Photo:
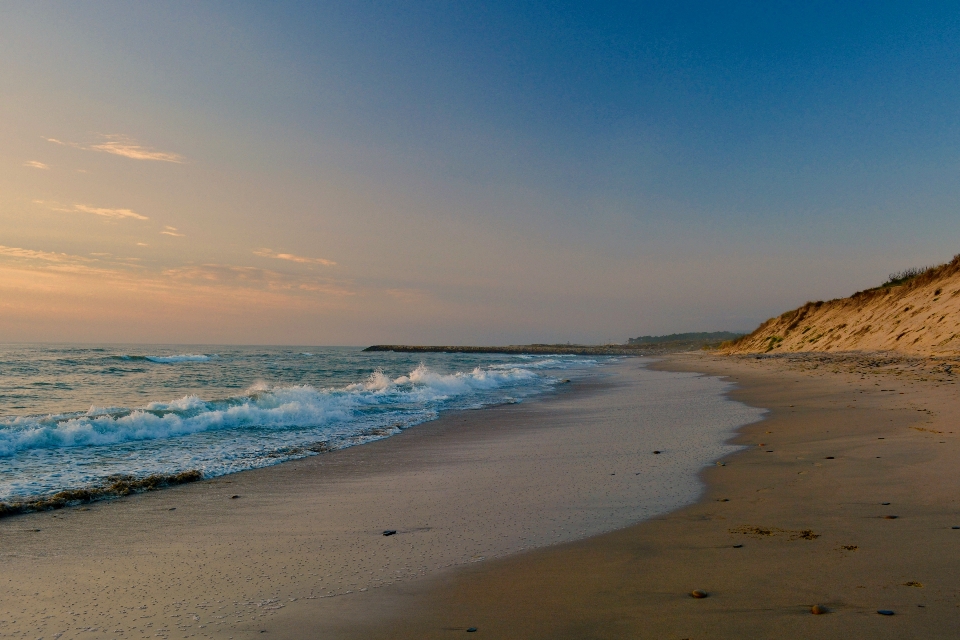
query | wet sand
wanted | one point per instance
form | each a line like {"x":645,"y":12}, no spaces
{"x":806,"y":502}
{"x":297,"y":550}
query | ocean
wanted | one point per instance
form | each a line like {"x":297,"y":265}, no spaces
{"x":78,"y":416}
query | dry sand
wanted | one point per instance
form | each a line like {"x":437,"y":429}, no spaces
{"x":805,"y":501}
{"x":300,"y":550}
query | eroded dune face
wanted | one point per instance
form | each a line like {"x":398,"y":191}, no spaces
{"x":919,"y":317}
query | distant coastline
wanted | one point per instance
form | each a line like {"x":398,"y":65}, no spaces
{"x":522,"y":349}
{"x":645,"y":345}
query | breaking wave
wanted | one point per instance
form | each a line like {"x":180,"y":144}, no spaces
{"x":260,"y":407}
{"x":184,"y":357}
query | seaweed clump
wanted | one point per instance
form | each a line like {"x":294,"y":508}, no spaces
{"x":114,"y":487}
{"x":749,"y":530}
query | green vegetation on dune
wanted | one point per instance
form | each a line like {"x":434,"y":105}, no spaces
{"x":902,"y":277}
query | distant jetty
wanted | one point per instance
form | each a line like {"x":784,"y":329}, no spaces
{"x":630,"y":349}
{"x":522,"y":349}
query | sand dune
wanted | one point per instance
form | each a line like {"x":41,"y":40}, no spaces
{"x":919,"y":317}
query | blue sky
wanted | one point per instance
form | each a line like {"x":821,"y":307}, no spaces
{"x":348,"y":173}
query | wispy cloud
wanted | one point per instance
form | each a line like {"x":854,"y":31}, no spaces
{"x":32,"y":254}
{"x":254,"y":277}
{"x":99,"y":211}
{"x":109,"y":213}
{"x":267,"y":253}
{"x":60,"y":142}
{"x":37,"y":286}
{"x":125,"y":146}
{"x":36,"y":164}
{"x":171,"y":231}
{"x":122,"y":145}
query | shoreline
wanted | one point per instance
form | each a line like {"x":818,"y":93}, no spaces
{"x":257,"y":549}
{"x":802,"y":519}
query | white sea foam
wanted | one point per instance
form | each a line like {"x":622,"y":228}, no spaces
{"x":261,"y":407}
{"x":186,"y":357}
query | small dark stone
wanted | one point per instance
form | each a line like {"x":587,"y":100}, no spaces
{"x":699,"y":593}
{"x":234,"y":498}
{"x":890,"y":517}
{"x":172,"y":509}
{"x":390,"y":532}
{"x":738,"y":546}
{"x":885,"y":612}
{"x":884,"y":503}
{"x":955,"y":527}
{"x":829,"y":458}
{"x":471,"y":630}
{"x":656,"y":453}
{"x":723,"y":499}
{"x":819,"y":610}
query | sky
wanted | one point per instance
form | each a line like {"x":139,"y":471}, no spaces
{"x":352,"y":173}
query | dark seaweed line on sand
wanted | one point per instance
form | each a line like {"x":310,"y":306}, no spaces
{"x":118,"y":486}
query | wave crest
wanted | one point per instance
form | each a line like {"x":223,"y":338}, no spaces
{"x":261,"y":407}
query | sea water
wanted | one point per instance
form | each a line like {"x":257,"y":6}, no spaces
{"x":73,"y":416}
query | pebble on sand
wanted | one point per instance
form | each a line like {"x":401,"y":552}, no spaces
{"x":656,"y":452}
{"x":819,"y":610}
{"x":699,"y":593}
{"x":885,"y":612}
{"x":738,"y":546}
{"x":890,"y":517}
{"x":234,"y":497}
{"x":471,"y":630}
{"x":955,"y":527}
{"x":390,"y":532}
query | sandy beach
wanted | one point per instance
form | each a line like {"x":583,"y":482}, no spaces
{"x":499,"y":516}
{"x":847,"y":445}
{"x":300,"y":545}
